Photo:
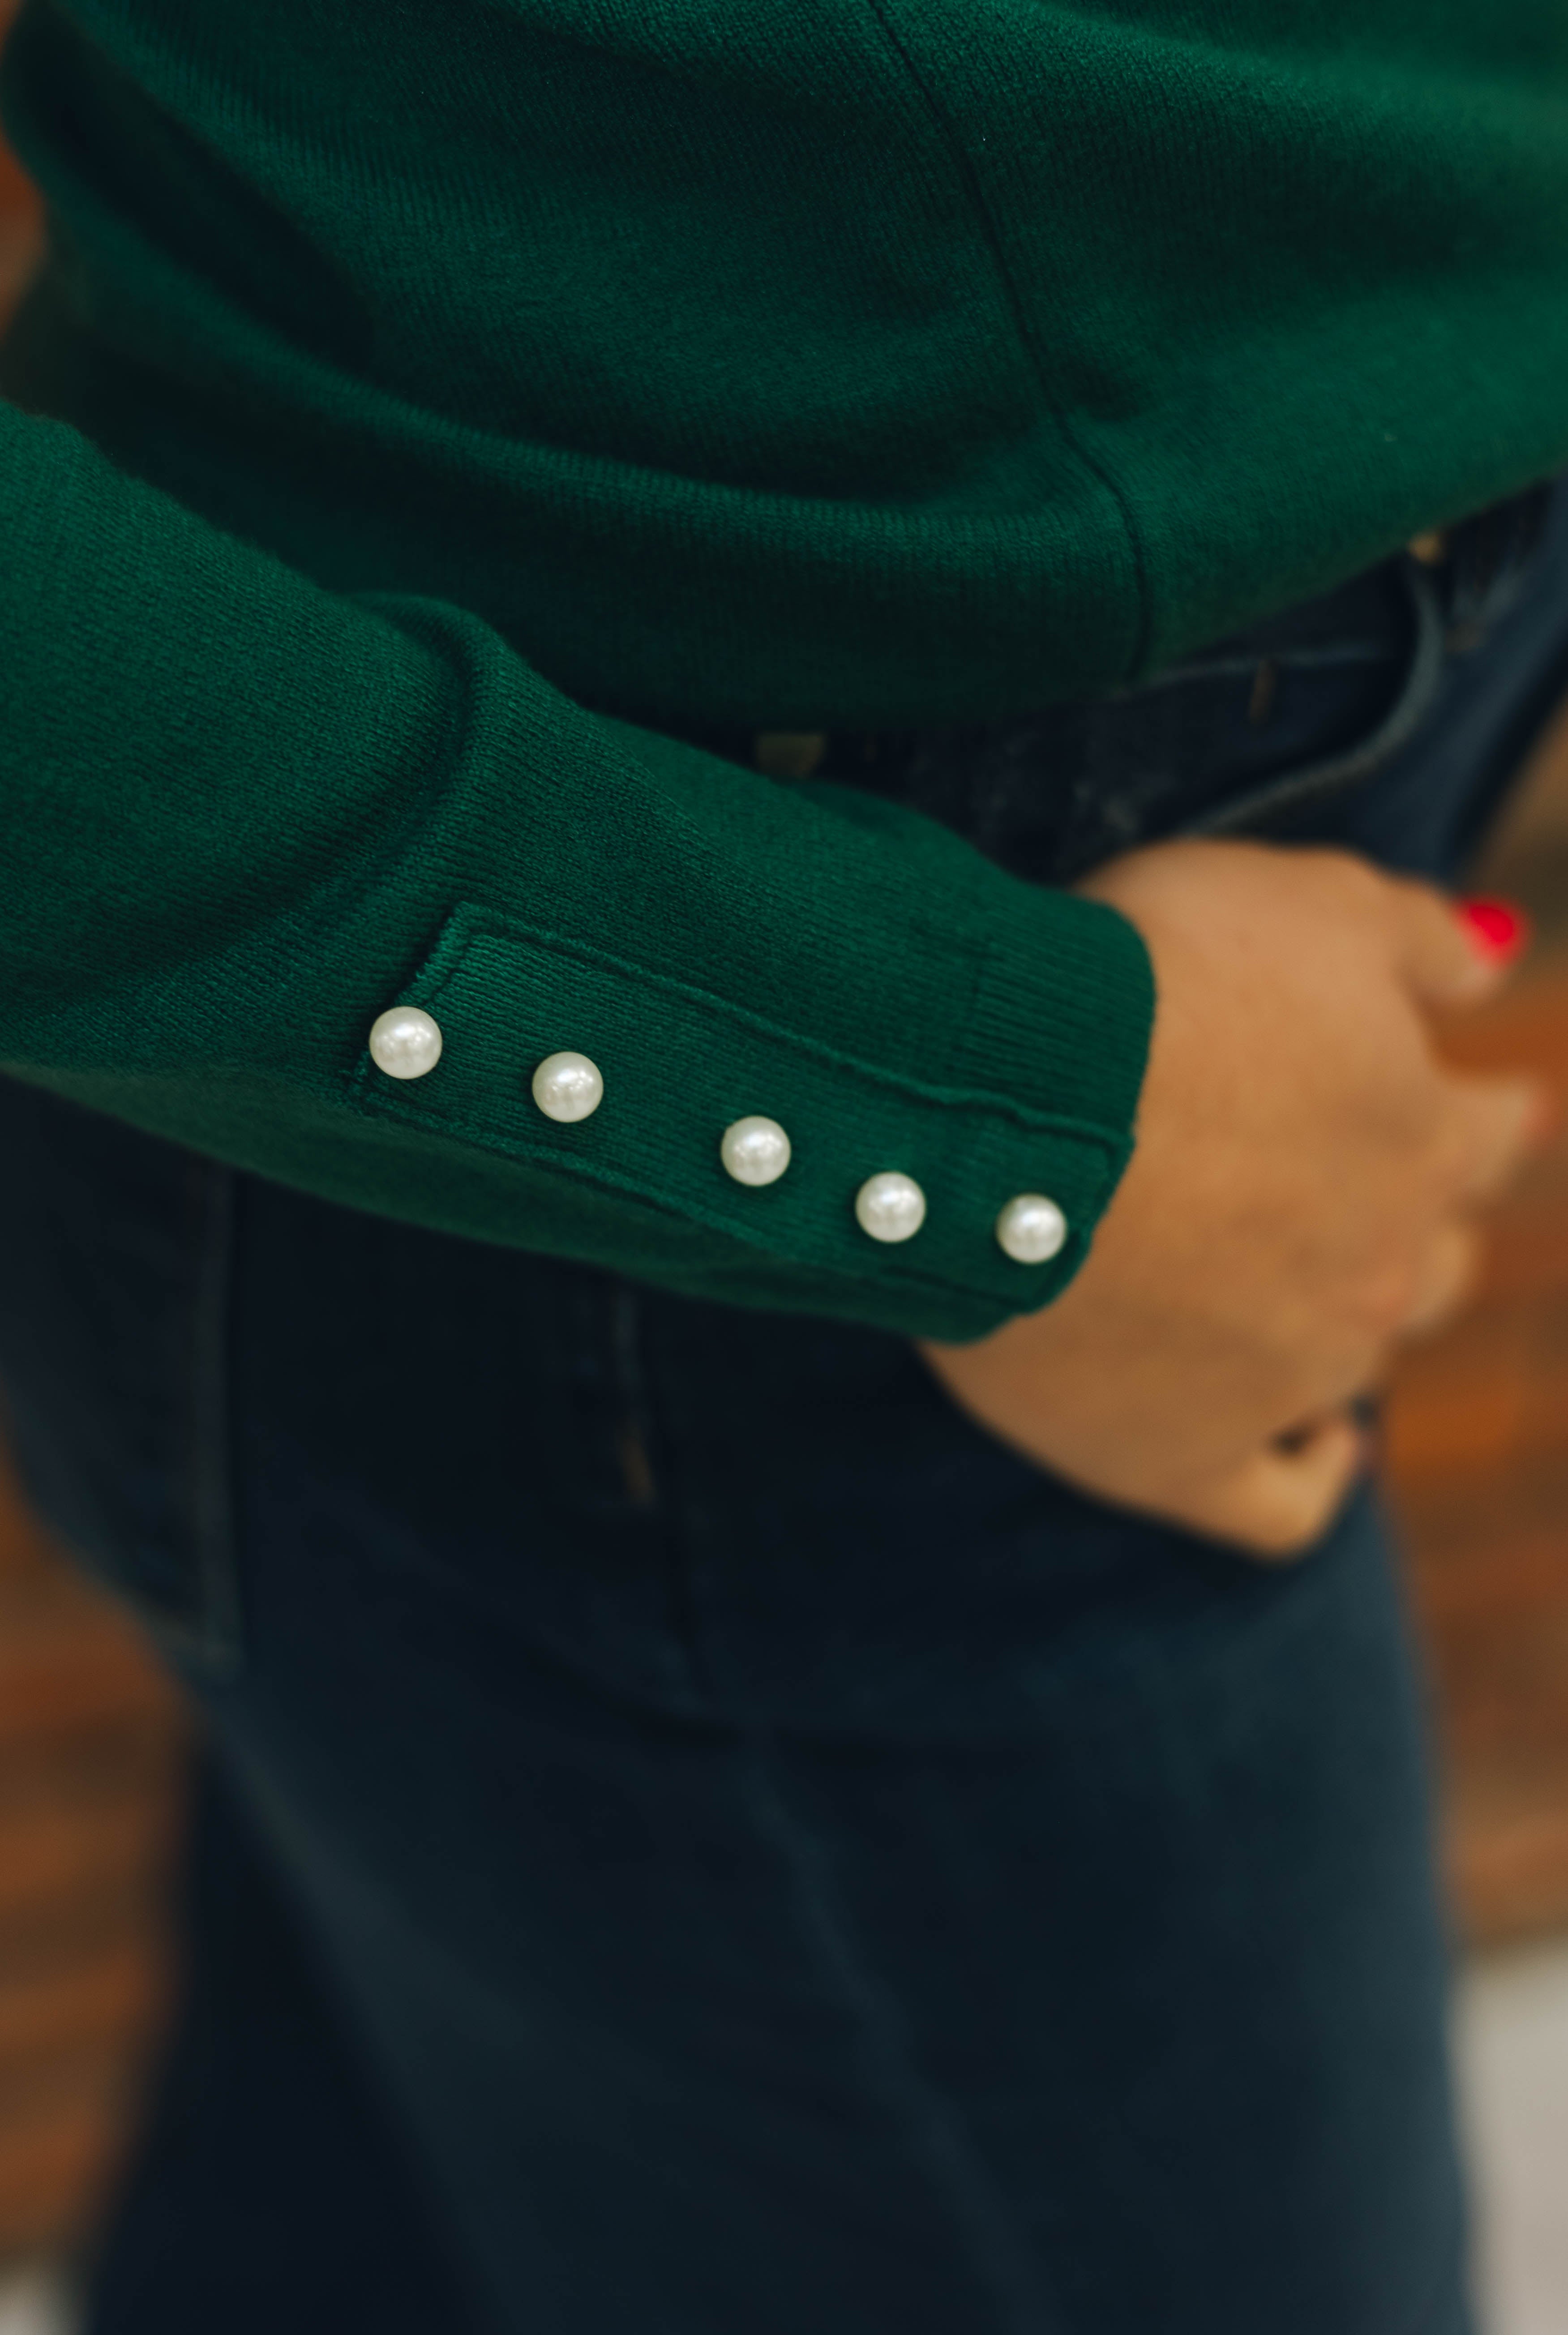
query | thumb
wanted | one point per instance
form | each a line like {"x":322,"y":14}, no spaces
{"x":1282,"y":1498}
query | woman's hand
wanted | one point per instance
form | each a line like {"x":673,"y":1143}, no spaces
{"x":1301,"y":1197}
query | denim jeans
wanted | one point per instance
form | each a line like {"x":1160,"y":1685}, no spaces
{"x":696,"y":1838}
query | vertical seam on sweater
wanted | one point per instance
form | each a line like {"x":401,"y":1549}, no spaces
{"x":947,"y":130}
{"x":1004,"y":2263}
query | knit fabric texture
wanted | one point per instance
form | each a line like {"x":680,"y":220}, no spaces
{"x":425,"y":402}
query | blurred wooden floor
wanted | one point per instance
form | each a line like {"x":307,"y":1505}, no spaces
{"x":91,"y":1744}
{"x":1477,"y":1452}
{"x":19,"y":213}
{"x":91,"y":1740}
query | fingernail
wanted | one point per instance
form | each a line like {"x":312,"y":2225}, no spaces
{"x":1499,"y":929}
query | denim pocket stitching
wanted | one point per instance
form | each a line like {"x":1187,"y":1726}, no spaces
{"x":211,"y":1635}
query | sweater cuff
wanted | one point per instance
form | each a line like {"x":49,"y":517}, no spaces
{"x":1037,"y":1071}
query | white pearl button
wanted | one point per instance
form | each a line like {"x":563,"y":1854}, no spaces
{"x":1030,"y":1228}
{"x":890,"y":1206}
{"x":755,"y":1151}
{"x":404,"y":1042}
{"x":568,"y":1087}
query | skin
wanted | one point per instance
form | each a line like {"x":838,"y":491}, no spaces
{"x":1302,"y":1198}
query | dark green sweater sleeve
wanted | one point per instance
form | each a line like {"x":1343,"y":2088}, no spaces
{"x":244,"y":815}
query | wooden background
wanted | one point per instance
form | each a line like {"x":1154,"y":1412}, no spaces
{"x":90,"y":1735}
{"x":90,"y":1766}
{"x":18,"y":208}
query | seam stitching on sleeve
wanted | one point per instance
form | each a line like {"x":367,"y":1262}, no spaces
{"x":947,"y":130}
{"x":467,"y":925}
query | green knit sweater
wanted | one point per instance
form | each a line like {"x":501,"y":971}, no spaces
{"x":427,"y":400}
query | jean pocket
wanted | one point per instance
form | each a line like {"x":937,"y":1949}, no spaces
{"x":114,"y":1301}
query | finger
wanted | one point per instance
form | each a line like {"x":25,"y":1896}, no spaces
{"x":1448,"y":1276}
{"x":1283,"y":1499}
{"x":1493,"y":1125}
{"x":1444,"y":956}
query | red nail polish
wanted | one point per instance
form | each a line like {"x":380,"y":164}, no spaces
{"x":1496,"y":926}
